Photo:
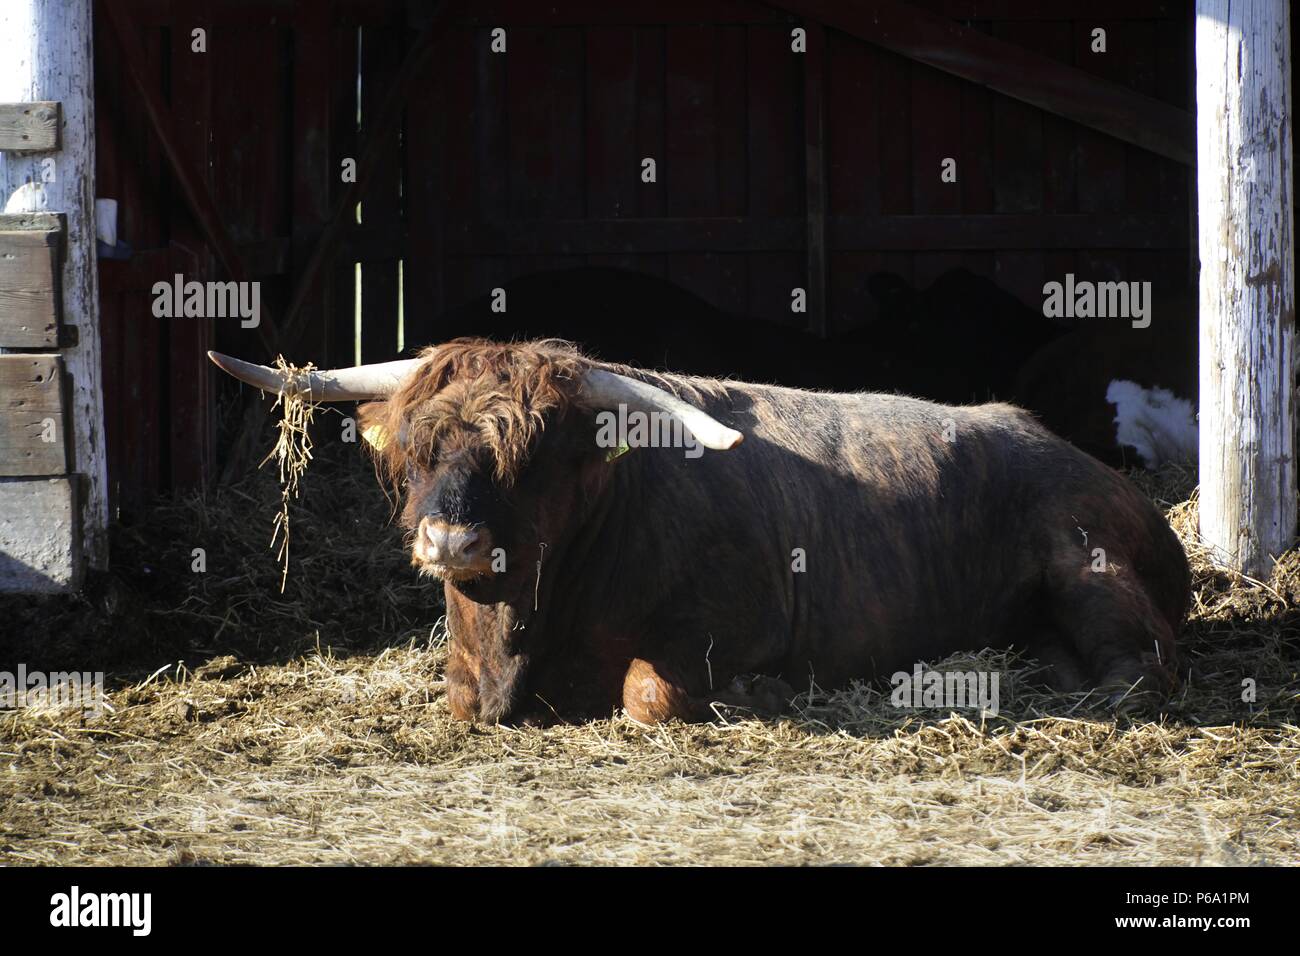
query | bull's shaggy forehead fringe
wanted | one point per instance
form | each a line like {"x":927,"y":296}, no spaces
{"x":502,"y":394}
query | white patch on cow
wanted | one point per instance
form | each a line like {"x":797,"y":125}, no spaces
{"x":1159,"y":424}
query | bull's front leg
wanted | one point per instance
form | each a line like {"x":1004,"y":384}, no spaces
{"x":486,"y":671}
{"x":656,"y":691}
{"x":462,"y":681}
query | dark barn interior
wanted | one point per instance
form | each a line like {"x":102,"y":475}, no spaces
{"x":775,"y":171}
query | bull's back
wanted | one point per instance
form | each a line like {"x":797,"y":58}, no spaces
{"x":911,"y":529}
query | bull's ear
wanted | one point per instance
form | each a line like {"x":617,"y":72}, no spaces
{"x":376,"y":436}
{"x":371,"y":417}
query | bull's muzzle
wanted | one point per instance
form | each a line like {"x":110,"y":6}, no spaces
{"x":452,"y":550}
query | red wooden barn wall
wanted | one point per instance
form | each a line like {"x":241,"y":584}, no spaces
{"x":264,"y":117}
{"x":556,"y":130}
{"x":529,"y":161}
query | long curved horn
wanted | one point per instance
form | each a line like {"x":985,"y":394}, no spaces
{"x":325,"y":385}
{"x":609,"y":389}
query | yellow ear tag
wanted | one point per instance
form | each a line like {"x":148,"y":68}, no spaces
{"x":376,"y":436}
{"x":618,"y":452}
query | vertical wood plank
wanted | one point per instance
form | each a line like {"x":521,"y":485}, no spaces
{"x":189,"y":392}
{"x":611,"y":160}
{"x":1060,"y":175}
{"x":1019,"y":180}
{"x":314,"y":170}
{"x":344,"y":144}
{"x":142,"y":359}
{"x":853,"y":105}
{"x":976,"y":167}
{"x":897,"y":167}
{"x":691,"y":154}
{"x":894,"y":81}
{"x":936,"y":135}
{"x":46,"y":47}
{"x":815,"y":176}
{"x":730,"y":81}
{"x":775,"y":150}
{"x":459,"y":185}
{"x":545,"y":123}
{"x":1173,"y":69}
{"x":422,"y":275}
{"x":1247,"y":379}
{"x":690,"y":164}
{"x":1142,"y":173}
{"x":381,"y":55}
{"x":775,"y":124}
{"x":1061,"y":184}
{"x":651,"y":103}
{"x":1101,"y":159}
{"x":494,"y":76}
{"x":491,"y":129}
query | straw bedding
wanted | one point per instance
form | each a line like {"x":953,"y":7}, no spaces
{"x":244,"y":725}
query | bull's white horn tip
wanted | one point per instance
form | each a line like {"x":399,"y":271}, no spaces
{"x":259,"y":376}
{"x":718,"y":438}
{"x":220,"y":361}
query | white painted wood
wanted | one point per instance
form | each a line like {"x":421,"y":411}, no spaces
{"x":46,"y":54}
{"x":1247,"y":294}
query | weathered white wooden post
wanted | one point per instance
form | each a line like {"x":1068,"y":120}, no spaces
{"x":1247,"y":296}
{"x":46,"y":55}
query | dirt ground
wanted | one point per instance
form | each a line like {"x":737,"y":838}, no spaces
{"x":243,"y":725}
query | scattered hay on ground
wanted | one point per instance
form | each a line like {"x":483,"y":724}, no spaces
{"x":311,"y":728}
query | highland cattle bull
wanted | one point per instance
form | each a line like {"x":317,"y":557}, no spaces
{"x":847,"y":536}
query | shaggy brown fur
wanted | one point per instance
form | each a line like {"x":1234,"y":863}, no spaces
{"x":503,"y":394}
{"x":849,"y":536}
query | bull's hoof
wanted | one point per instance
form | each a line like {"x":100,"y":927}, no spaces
{"x":531,"y":719}
{"x":1133,"y":701}
{"x":765,"y":696}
